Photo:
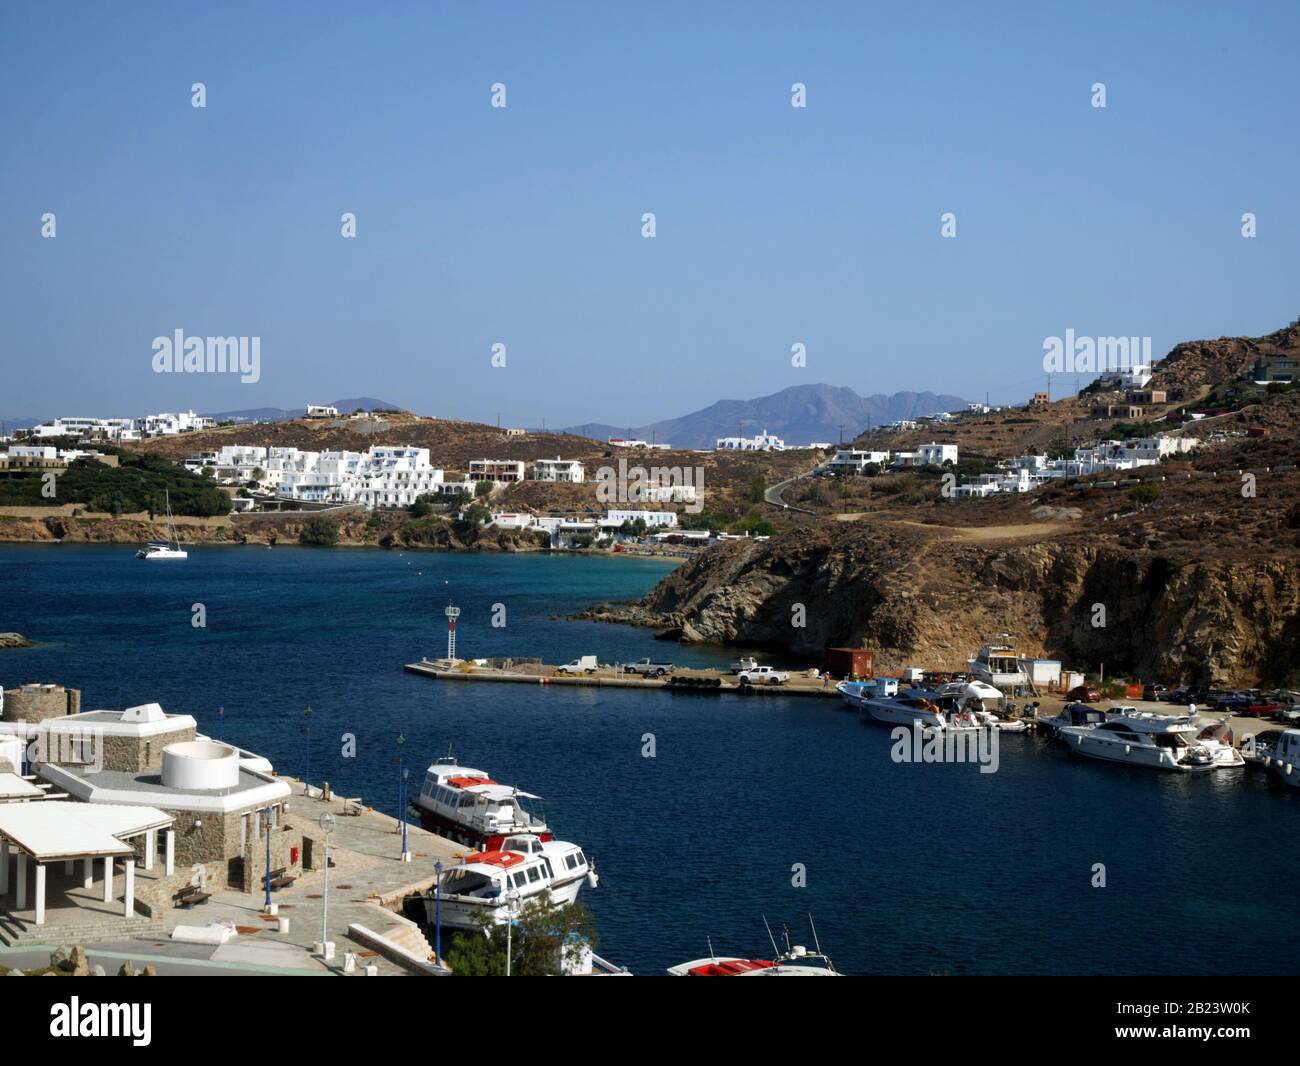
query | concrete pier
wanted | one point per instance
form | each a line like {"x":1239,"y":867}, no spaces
{"x":689,"y":681}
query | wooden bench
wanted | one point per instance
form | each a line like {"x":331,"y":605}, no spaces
{"x":281,"y":878}
{"x":190,"y":896}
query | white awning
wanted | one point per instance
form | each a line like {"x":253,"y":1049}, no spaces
{"x":60,"y":829}
{"x":13,"y":787}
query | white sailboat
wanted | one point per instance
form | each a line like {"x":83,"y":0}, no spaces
{"x":165,"y":549}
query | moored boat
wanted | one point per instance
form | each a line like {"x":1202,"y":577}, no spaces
{"x":165,"y":549}
{"x":468,"y":806}
{"x":1159,"y":741}
{"x":493,"y":886}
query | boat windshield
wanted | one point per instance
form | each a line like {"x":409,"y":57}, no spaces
{"x":470,"y":883}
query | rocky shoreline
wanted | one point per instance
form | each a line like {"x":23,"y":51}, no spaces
{"x":15,"y":640}
{"x":928,"y":597}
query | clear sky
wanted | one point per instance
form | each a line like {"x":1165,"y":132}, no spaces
{"x":522,"y":225}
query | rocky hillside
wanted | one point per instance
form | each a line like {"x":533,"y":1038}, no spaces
{"x":1200,"y":584}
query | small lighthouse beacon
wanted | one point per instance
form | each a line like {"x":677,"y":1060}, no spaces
{"x":452,"y":612}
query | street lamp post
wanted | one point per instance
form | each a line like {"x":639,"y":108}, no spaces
{"x":405,"y":790}
{"x":306,"y":769}
{"x":267,"y":828}
{"x":512,"y":901}
{"x":437,"y":912}
{"x":327,"y":826}
{"x":401,"y":791}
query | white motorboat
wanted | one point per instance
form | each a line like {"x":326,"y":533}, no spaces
{"x":856,"y":693}
{"x":998,"y":665}
{"x":165,"y":549}
{"x":1159,"y":741}
{"x":493,"y":886}
{"x":1285,"y":758}
{"x":925,"y":709}
{"x":985,"y":702}
{"x":469,"y":807}
{"x":795,"y":961}
{"x":1075,"y":715}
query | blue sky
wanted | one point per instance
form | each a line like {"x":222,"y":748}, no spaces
{"x":522,"y":225}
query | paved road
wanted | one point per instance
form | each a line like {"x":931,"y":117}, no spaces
{"x":773,"y":495}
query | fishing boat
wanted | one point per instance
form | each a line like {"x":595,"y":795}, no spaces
{"x":795,"y":961}
{"x":165,"y":549}
{"x":471,"y":808}
{"x":493,"y":886}
{"x":1179,"y":742}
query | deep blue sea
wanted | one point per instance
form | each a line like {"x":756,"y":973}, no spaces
{"x":910,"y":869}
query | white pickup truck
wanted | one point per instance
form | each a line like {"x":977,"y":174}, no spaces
{"x":763,"y":675}
{"x":584,"y":664}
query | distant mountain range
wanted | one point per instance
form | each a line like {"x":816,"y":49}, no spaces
{"x":801,"y":414}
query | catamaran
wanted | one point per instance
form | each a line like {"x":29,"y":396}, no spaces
{"x":165,"y":549}
{"x":1161,"y":741}
{"x":492,"y":886}
{"x":469,"y":807}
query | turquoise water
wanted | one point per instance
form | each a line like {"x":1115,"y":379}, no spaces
{"x":909,"y":868}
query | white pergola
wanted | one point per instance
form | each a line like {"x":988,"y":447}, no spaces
{"x":60,"y":830}
{"x":15,"y":789}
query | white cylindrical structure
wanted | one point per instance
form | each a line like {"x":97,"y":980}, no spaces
{"x":200,"y":764}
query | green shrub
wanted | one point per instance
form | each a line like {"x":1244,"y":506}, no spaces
{"x":319,"y":531}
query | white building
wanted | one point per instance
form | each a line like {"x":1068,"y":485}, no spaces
{"x":315,"y":410}
{"x":764,"y":442}
{"x":565,"y":470}
{"x":855,"y":461}
{"x":928,"y":455}
{"x":653,"y":519}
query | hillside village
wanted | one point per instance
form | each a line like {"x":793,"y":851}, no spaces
{"x":1200,"y":405}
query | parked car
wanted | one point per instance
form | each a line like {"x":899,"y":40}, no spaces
{"x":648,"y":668}
{"x":584,"y":664}
{"x":1154,"y":693}
{"x":763,"y":675}
{"x":1083,"y":694}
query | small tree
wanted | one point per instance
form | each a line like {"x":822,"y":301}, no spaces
{"x":320,"y":531}
{"x":483,"y":488}
{"x":1145,"y":494}
{"x":755,"y":490}
{"x":544,"y":936}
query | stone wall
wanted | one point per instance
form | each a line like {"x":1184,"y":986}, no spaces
{"x":135,"y":755}
{"x":35,"y":703}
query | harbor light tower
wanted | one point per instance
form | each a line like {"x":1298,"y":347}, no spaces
{"x":452,"y":612}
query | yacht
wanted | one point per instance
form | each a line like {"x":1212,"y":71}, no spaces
{"x":1285,"y":758}
{"x":469,"y":807}
{"x":998,"y":665}
{"x":165,"y":549}
{"x":1075,"y":715}
{"x":492,"y":886}
{"x":1160,"y":741}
